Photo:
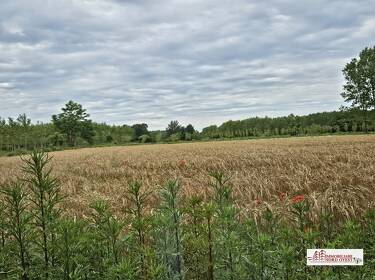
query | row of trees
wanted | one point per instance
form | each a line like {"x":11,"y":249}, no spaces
{"x":174,"y":132}
{"x":181,"y":238}
{"x":72,"y":127}
{"x":313,"y":124}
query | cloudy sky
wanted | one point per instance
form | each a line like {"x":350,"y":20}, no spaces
{"x":198,"y":61}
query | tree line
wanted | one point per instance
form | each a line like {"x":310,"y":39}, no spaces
{"x":69,"y":129}
{"x":313,"y":124}
{"x":73,"y":128}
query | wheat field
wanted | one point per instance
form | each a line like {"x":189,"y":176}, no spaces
{"x":334,"y":172}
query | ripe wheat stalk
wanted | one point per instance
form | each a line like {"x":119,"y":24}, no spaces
{"x":335,"y":173}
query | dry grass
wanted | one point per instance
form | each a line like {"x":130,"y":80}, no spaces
{"x":334,"y":172}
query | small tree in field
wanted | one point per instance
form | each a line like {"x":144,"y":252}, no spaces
{"x":45,"y":197}
{"x":359,"y":89}
{"x":74,"y":122}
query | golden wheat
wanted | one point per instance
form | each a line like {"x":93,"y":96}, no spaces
{"x":335,"y":173}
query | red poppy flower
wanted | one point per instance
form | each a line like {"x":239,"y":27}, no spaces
{"x":181,"y":163}
{"x":298,"y":198}
{"x":258,"y":201}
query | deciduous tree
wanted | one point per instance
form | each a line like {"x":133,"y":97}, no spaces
{"x":74,"y":122}
{"x":359,"y":89}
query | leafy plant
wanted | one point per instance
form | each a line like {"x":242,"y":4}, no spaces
{"x":44,"y":197}
{"x":140,"y":224}
{"x":108,"y":228}
{"x":18,"y":226}
{"x":170,"y":218}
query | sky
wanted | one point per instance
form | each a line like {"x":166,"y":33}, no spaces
{"x":197,"y":61}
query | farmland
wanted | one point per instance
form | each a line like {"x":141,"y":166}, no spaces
{"x":336,"y":172}
{"x":209,"y":210}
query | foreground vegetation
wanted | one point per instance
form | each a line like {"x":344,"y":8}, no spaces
{"x":176,"y":237}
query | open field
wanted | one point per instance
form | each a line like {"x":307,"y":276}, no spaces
{"x":336,"y":172}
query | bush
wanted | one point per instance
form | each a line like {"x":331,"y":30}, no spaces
{"x":175,"y":137}
{"x":144,"y":138}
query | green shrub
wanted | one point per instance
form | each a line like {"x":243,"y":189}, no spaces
{"x":170,"y":229}
{"x":18,"y":226}
{"x":145,"y":138}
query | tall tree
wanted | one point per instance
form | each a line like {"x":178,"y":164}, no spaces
{"x":74,"y":122}
{"x":139,"y":129}
{"x":359,"y":89}
{"x":173,"y":127}
{"x":23,"y":120}
{"x":189,"y":129}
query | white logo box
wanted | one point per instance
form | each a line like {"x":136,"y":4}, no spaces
{"x":332,"y":257}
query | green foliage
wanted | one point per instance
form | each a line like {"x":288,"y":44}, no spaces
{"x":319,"y":123}
{"x":359,"y":89}
{"x":173,"y":128}
{"x":16,"y":223}
{"x":228,"y":243}
{"x":175,"y":137}
{"x":170,"y":220}
{"x":70,"y":250}
{"x":56,"y":139}
{"x":126,"y":270}
{"x":195,"y":241}
{"x":44,"y":197}
{"x":74,"y":122}
{"x":139,"y":129}
{"x":114,"y":134}
{"x":140,"y":229}
{"x":145,"y":138}
{"x":108,"y":228}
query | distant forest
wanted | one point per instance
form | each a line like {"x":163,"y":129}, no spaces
{"x":67,"y":130}
{"x":312,"y":124}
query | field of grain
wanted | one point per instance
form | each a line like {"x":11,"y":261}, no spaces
{"x":333,"y":172}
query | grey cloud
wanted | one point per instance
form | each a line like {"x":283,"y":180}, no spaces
{"x":197,"y":61}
